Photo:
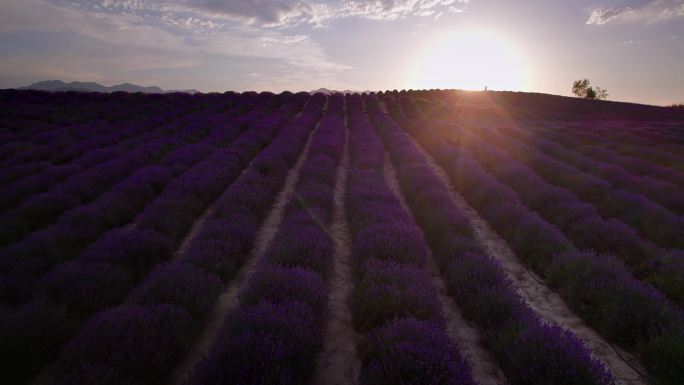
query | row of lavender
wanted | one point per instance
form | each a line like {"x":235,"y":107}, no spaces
{"x":638,"y":138}
{"x":605,"y":165}
{"x":163,"y":200}
{"x":38,"y":198}
{"x":650,"y":129}
{"x":582,"y":221}
{"x":30,"y":131}
{"x":38,"y":146}
{"x":27,"y":113}
{"x":657,"y":203}
{"x":274,"y":333}
{"x":141,"y":340}
{"x":32,"y":209}
{"x":651,"y":219}
{"x":616,"y":138}
{"x":394,"y":304}
{"x":120,"y":248}
{"x":61,"y":151}
{"x":599,"y":148}
{"x":79,"y":226}
{"x":478,"y":283}
{"x":598,"y":287}
{"x":94,"y":149}
{"x":99,"y":146}
{"x":31,"y":111}
{"x":579,"y":218}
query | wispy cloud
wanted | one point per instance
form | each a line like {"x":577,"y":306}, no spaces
{"x":139,"y":39}
{"x":292,"y":39}
{"x":287,"y":13}
{"x":124,"y":39}
{"x":649,"y":12}
{"x":397,"y":9}
{"x":603,"y":16}
{"x":630,"y":42}
{"x":272,"y":13}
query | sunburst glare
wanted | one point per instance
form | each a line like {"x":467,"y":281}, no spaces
{"x":470,"y":60}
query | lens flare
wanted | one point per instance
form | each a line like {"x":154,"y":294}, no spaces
{"x":470,"y":60}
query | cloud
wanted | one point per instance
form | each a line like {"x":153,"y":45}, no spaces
{"x":275,"y":13}
{"x":397,"y":9}
{"x":63,"y":66}
{"x":190,"y":23}
{"x":260,"y":12}
{"x":630,"y":42}
{"x":169,"y":32}
{"x":117,"y":41}
{"x":604,"y":16}
{"x":120,"y":40}
{"x":291,"y":39}
{"x":650,"y":12}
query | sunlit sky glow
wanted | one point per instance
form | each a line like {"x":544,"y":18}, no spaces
{"x":470,"y":59}
{"x":634,"y":48}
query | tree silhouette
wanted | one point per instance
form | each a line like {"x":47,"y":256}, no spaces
{"x":582,"y":89}
{"x":601,"y":93}
{"x":590,"y":93}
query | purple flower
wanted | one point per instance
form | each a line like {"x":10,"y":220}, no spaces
{"x":543,"y":354}
{"x":86,"y":288}
{"x":301,"y":245}
{"x":263,"y":343}
{"x":31,"y":336}
{"x":401,"y":243}
{"x":136,"y":250}
{"x":139,"y":343}
{"x":275,"y":284}
{"x":389,"y":290}
{"x":408,"y":351}
{"x":181,"y":285}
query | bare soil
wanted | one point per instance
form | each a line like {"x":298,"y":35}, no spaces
{"x":229,"y":299}
{"x":199,"y":222}
{"x":338,"y":363}
{"x":196,"y":226}
{"x":541,"y":299}
{"x":485,"y":367}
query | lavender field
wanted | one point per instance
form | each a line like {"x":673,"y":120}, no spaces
{"x":413,"y":237}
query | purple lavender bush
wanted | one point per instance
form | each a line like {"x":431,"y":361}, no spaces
{"x":121,"y":347}
{"x":408,"y":351}
{"x":263,"y":343}
{"x":181,"y":285}
{"x":390,"y":290}
{"x":30,"y":337}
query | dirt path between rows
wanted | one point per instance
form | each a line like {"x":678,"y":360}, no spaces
{"x":338,"y":362}
{"x":228,"y":300}
{"x":197,"y":225}
{"x":43,"y":377}
{"x":486,"y":371}
{"x":541,"y":299}
{"x":199,"y":222}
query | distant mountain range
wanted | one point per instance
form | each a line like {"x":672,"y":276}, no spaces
{"x":328,"y":92}
{"x":58,"y":85}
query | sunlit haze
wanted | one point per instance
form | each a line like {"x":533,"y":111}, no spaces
{"x":633,"y":48}
{"x":332,"y":192}
{"x":470,"y":59}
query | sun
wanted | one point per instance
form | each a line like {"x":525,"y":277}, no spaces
{"x":470,"y":60}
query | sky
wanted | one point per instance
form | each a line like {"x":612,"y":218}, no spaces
{"x":632,"y":48}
